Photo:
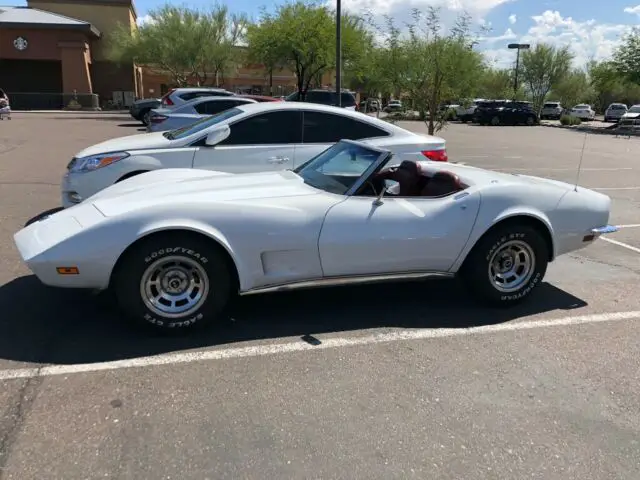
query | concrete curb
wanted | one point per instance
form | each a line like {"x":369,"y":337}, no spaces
{"x":597,"y":131}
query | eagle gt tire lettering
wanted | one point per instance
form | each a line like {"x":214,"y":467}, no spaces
{"x":173,"y":282}
{"x":516,"y":254}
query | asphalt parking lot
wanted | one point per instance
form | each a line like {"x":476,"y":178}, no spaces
{"x":408,"y":381}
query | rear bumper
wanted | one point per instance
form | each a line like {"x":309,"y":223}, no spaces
{"x":604,"y":230}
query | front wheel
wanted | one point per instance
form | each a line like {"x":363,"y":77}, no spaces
{"x":495,"y":121}
{"x":173,"y":282}
{"x":506,"y":265}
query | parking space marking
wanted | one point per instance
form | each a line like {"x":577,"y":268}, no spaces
{"x":620,"y":244}
{"x":616,"y":188}
{"x":633,"y":225}
{"x":301,"y":346}
{"x":575,"y":169}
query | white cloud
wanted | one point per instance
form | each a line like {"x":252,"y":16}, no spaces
{"x":143,"y":20}
{"x":587,"y":39}
{"x":513,"y":19}
{"x":633,"y":10}
{"x":507,"y":35}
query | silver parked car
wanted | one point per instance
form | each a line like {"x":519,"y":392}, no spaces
{"x":614,"y":112}
{"x":182,"y":95}
{"x":162,"y":119}
{"x":551,"y":110}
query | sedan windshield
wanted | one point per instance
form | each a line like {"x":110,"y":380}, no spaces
{"x":200,"y":125}
{"x":339,"y":167}
{"x":634,"y":109}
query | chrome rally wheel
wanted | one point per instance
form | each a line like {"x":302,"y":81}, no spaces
{"x":507,"y":263}
{"x":174,"y":281}
{"x":174,"y":286}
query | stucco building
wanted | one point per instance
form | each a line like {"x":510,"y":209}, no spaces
{"x":54,"y":51}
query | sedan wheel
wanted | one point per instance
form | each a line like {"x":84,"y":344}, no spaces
{"x":530,"y":121}
{"x":495,"y":121}
{"x":506,"y":265}
{"x":146,"y":118}
{"x":173,"y":282}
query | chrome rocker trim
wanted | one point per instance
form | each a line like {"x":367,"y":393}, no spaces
{"x":351,"y":280}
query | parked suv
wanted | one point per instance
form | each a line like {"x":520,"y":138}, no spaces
{"x":551,"y":110}
{"x":326,"y":97}
{"x":504,"y":112}
{"x":614,"y":112}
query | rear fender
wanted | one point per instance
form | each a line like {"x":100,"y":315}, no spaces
{"x":481,"y":227}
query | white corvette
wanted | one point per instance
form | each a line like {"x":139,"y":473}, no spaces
{"x":258,"y":137}
{"x":174,"y":245}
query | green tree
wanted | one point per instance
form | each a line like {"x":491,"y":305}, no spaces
{"x":544,"y":67}
{"x":495,"y":83}
{"x":626,"y":58}
{"x":432,"y":67}
{"x":302,"y":36}
{"x":608,"y":85}
{"x":573,"y":89}
{"x":183,"y":42}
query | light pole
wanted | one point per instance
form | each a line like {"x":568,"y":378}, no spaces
{"x":518,"y":47}
{"x":339,"y":51}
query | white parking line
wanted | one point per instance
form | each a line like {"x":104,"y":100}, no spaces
{"x":299,"y":346}
{"x":616,"y":188}
{"x":620,"y":244}
{"x":633,"y":225}
{"x":566,"y":169}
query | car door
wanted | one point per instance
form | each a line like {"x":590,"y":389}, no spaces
{"x":320,"y":130}
{"x":410,"y":234}
{"x":259,"y":143}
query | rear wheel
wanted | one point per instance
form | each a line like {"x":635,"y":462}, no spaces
{"x":144,"y":115}
{"x":173,"y":282}
{"x":506,"y":265}
{"x":495,"y":121}
{"x":531,"y":121}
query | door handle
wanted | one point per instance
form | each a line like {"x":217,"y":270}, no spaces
{"x":278,"y":159}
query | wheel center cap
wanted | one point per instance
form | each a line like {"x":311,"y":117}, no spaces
{"x":175,"y":282}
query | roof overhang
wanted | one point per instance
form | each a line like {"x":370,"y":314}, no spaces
{"x":87,"y":27}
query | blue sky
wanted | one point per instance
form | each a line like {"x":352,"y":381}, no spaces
{"x":592,"y":28}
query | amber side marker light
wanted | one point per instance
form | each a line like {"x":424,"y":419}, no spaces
{"x":67,"y":270}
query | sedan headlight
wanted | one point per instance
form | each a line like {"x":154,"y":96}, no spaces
{"x":94,"y":162}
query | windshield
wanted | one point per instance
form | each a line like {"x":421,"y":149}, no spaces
{"x":339,"y":167}
{"x":582,"y":107}
{"x":200,"y":125}
{"x":635,"y":109}
{"x":551,"y":105}
{"x":617,"y":107}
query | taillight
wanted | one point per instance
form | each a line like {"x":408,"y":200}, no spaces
{"x":158,"y":118}
{"x":165,"y":100}
{"x":436,"y":155}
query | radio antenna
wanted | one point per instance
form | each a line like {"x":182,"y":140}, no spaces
{"x":584,"y":143}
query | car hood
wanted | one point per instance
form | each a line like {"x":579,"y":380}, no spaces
{"x":132,"y":142}
{"x":631,"y":115}
{"x":190,"y":187}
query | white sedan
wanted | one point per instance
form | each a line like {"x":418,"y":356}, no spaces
{"x":258,"y":137}
{"x":175,"y":245}
{"x":583,"y":112}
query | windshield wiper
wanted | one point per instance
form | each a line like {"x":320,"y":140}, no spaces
{"x":167,"y":135}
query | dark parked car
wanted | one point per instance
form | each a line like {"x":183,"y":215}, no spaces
{"x":504,"y":112}
{"x":326,"y":97}
{"x":140,"y":108}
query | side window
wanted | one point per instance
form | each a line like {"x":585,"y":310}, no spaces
{"x":347,"y":100}
{"x":327,"y":128}
{"x":212,"y":107}
{"x":322,"y":97}
{"x":267,"y":129}
{"x":188,"y":96}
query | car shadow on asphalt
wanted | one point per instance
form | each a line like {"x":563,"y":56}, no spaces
{"x":60,"y":326}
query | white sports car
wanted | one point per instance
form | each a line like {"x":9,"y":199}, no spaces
{"x":174,"y":245}
{"x":259,"y":137}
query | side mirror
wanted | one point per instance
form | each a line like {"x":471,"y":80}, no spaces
{"x":218,"y":135}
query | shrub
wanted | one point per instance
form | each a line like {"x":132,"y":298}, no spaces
{"x":570,"y":120}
